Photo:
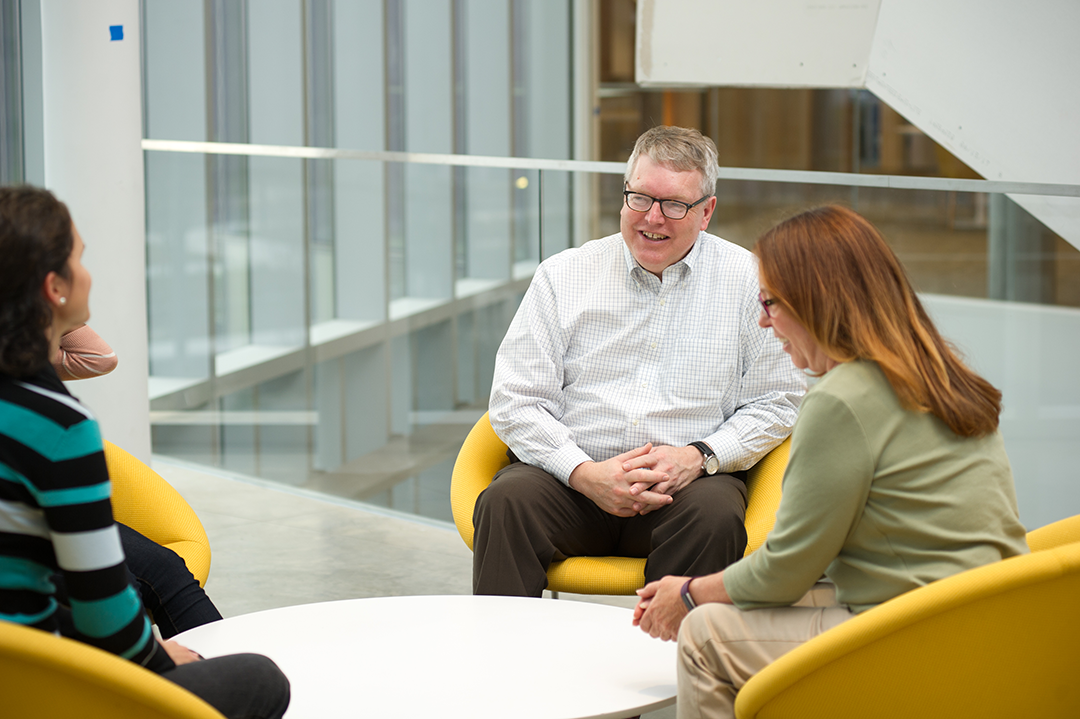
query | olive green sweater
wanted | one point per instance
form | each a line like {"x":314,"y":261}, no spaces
{"x":879,"y":499}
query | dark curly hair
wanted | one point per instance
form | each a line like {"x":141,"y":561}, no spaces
{"x":35,"y":239}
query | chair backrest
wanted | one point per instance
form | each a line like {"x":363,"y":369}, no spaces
{"x":47,"y":676}
{"x":996,"y":641}
{"x":1064,"y":531}
{"x":148,"y":504}
{"x":482,"y":455}
{"x":763,"y":483}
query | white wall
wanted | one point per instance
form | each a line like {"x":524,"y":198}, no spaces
{"x":94,"y":163}
{"x":993,"y":82}
{"x":1028,"y":352}
{"x":775,"y":43}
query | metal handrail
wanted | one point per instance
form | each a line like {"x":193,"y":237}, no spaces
{"x":807,"y":177}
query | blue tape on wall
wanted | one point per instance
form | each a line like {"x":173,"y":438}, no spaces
{"x":116,"y":32}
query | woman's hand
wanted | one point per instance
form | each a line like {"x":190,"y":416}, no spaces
{"x":180,"y":654}
{"x":660,"y":610}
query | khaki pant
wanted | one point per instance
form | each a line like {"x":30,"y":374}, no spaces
{"x":721,"y":647}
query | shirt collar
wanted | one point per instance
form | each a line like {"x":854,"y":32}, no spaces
{"x":689,"y":261}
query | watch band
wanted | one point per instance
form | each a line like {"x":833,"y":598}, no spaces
{"x":685,"y":594}
{"x":710,"y":463}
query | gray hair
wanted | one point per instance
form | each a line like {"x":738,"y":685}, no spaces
{"x":681,"y":148}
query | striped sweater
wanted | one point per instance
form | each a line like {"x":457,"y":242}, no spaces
{"x":55,"y":515}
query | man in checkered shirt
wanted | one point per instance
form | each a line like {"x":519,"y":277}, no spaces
{"x":634,"y":388}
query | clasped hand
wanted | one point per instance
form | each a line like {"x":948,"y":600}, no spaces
{"x":639,"y":481}
{"x":660,"y":609}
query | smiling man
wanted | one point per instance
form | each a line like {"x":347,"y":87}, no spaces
{"x":634,"y":388}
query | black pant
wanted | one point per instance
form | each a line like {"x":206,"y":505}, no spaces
{"x":527,"y":519}
{"x":240,"y":686}
{"x":168,"y":590}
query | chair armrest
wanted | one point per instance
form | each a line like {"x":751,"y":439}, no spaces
{"x":1064,"y":531}
{"x":482,"y":455}
{"x":763,"y":484}
{"x":144,"y":501}
{"x":994,"y":641}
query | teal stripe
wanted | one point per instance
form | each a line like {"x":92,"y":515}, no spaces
{"x":29,"y":428}
{"x":104,"y":617}
{"x":82,"y":439}
{"x":74,"y":495}
{"x":139,"y":645}
{"x":30,"y":618}
{"x":18,"y":573}
{"x":59,"y":497}
{"x":46,"y":437}
{"x":10,"y":474}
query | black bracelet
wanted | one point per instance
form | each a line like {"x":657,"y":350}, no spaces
{"x":685,"y":593}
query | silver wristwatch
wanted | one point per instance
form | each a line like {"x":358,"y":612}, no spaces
{"x":710,"y":465}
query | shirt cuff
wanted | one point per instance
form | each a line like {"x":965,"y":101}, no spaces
{"x":729,"y":451}
{"x":565,"y":460}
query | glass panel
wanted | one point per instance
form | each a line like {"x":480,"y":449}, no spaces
{"x":372,"y":410}
{"x":556,"y":217}
{"x":333,"y":323}
{"x":178,"y":272}
{"x":11,"y":95}
{"x":526,"y":227}
{"x":359,"y":245}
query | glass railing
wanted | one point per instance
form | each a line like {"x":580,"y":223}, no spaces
{"x":329,"y":319}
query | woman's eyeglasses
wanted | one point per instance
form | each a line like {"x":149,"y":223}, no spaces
{"x":766,"y":303}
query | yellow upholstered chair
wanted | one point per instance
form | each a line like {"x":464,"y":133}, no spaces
{"x":47,"y":676}
{"x":996,"y":641}
{"x":1056,"y":534}
{"x":483,"y":454}
{"x":148,"y":504}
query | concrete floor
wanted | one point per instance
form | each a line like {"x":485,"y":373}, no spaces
{"x":276,"y":546}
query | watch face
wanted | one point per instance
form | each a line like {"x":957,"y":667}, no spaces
{"x":712,"y":465}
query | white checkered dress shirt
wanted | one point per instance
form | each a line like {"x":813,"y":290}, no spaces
{"x":602,"y":357}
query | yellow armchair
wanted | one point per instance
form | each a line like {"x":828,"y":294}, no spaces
{"x":1056,"y":534}
{"x":483,"y":454}
{"x":148,"y":504}
{"x":996,"y":641}
{"x":49,"y":676}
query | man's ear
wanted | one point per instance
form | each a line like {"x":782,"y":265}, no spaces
{"x":55,"y":289}
{"x":706,"y":216}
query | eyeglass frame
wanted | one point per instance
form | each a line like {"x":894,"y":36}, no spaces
{"x":689,"y":206}
{"x":766,"y":303}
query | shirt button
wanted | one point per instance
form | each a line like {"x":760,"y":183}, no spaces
{"x":634,"y":423}
{"x":663,"y":302}
{"x":652,"y":346}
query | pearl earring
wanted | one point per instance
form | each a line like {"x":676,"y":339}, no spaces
{"x":63,"y":300}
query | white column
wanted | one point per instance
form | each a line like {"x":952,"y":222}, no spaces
{"x":94,"y":163}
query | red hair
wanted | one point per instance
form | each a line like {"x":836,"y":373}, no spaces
{"x":833,"y":271}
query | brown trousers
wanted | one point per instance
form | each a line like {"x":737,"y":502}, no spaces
{"x":526,"y":519}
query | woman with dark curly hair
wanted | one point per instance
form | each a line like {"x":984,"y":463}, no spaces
{"x":897,"y":477}
{"x":55,"y":513}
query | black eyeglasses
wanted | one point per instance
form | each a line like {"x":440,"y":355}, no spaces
{"x":672,"y":209}
{"x":766,"y":303}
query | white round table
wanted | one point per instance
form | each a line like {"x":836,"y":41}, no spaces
{"x":454,"y":656}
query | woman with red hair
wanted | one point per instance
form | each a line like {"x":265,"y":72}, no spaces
{"x":897,"y":478}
